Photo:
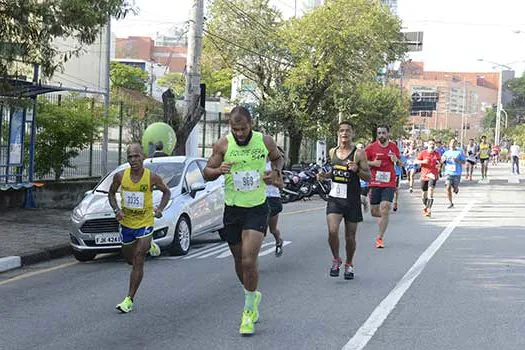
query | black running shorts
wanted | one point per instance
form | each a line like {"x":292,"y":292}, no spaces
{"x":238,"y":219}
{"x":350,"y":212}
{"x":381,"y":194}
{"x":276,"y":206}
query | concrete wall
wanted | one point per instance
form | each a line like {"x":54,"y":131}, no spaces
{"x":53,"y":195}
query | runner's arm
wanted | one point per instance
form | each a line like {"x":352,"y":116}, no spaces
{"x":115,"y":184}
{"x":213,"y":168}
{"x":166,"y":192}
{"x":363,"y":171}
{"x":273,"y":154}
{"x":277,"y":160}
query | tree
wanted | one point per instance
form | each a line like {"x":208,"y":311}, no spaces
{"x":128,"y":77}
{"x":516,"y":108}
{"x":28,"y":29}
{"x":444,"y":135}
{"x":63,"y":131}
{"x":517,"y":133}
{"x":173,"y":81}
{"x":303,"y":68}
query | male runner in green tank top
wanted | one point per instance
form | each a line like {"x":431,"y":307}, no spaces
{"x":241,"y":158}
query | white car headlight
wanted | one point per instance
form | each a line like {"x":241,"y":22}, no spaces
{"x":77,"y":214}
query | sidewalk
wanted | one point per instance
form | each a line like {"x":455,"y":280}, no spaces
{"x":29,"y":236}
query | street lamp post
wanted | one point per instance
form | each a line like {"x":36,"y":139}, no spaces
{"x":497,"y":130}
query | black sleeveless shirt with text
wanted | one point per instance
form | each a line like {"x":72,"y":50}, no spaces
{"x":346,"y":189}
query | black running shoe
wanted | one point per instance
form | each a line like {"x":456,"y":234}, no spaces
{"x":334,"y":270}
{"x":349,"y":272}
{"x":279,"y":248}
{"x":450,"y":206}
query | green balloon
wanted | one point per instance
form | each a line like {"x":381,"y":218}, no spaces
{"x":159,"y":132}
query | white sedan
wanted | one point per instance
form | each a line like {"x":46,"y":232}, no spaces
{"x":195,"y":207}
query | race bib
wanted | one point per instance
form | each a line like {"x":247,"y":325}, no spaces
{"x":133,"y":200}
{"x":383,"y":176}
{"x":338,"y":190}
{"x":246,"y":180}
{"x":450,"y":167}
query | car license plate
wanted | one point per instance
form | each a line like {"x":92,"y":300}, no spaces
{"x":108,"y":238}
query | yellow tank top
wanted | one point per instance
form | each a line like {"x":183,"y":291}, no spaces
{"x":137,"y":200}
{"x":484,"y":151}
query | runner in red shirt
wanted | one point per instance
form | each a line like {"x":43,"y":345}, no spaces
{"x":430,"y":160}
{"x":382,"y":155}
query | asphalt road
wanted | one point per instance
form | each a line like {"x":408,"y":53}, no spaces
{"x":454,"y":281}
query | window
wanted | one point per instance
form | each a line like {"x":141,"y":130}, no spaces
{"x":193,"y":175}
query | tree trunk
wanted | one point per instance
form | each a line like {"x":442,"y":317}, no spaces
{"x":191,"y":119}
{"x":296,"y":138}
{"x":171,"y":117}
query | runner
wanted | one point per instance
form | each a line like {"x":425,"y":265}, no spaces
{"x":429,"y":160}
{"x":273,"y":195}
{"x":411,"y":166}
{"x":364,"y":187}
{"x":452,"y":162}
{"x":399,"y":173}
{"x":382,"y":155}
{"x":348,"y":165}
{"x":441,"y":150}
{"x":241,"y":158}
{"x":484,"y":156}
{"x":136,"y":216}
{"x":494,"y":154}
{"x":515,"y":155}
{"x":472,"y":151}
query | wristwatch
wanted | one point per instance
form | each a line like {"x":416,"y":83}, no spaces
{"x":116,"y":210}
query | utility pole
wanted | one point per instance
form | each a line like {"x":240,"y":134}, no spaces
{"x":104,"y":158}
{"x":193,"y":75}
{"x":498,"y":108}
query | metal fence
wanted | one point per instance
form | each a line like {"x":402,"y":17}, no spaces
{"x":128,"y":120}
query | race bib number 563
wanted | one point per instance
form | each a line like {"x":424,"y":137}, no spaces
{"x":246,"y":180}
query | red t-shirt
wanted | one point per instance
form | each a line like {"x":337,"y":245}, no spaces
{"x":431,"y":167}
{"x":384,"y":175}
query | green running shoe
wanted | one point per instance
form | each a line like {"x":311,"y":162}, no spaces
{"x":258,"y":298}
{"x":126,"y":305}
{"x":154,"y":249}
{"x":247,"y":324}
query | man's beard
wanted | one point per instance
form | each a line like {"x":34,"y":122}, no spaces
{"x":245,"y":142}
{"x":382,"y":139}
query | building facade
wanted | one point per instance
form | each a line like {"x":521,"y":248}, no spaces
{"x":449,"y":100}
{"x":144,"y":48}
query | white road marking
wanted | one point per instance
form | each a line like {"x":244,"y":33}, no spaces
{"x":31,"y":274}
{"x":303,"y":211}
{"x":214,"y":248}
{"x":381,"y":312}
{"x":272,"y":249}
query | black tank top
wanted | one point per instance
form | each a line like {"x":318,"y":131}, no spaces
{"x":341,"y":178}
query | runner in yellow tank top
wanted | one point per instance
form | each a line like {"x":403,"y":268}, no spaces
{"x":241,"y":158}
{"x":136,"y":215}
{"x":484,"y":156}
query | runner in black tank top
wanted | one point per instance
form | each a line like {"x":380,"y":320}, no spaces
{"x":345,"y":196}
{"x":344,"y":201}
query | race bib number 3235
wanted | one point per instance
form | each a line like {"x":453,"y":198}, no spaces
{"x":133,"y":200}
{"x":246,"y":180}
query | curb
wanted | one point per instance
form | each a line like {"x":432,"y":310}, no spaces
{"x":48,"y":254}
{"x":10,"y":263}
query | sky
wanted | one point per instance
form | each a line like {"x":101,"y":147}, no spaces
{"x":456,"y":32}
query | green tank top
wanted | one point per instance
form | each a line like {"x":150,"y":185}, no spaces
{"x":244,"y":185}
